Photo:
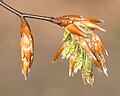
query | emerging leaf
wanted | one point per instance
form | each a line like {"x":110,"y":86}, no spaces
{"x":68,"y":51}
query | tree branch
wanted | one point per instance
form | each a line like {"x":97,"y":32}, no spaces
{"x":26,"y":15}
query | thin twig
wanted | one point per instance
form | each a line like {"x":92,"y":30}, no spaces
{"x":25,"y":15}
{"x":10,"y":9}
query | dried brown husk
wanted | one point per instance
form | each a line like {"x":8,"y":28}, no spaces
{"x":26,"y":48}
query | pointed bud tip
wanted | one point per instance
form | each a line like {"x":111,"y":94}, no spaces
{"x":103,"y":30}
{"x":25,"y":78}
{"x":101,"y":20}
{"x":69,"y":74}
{"x":94,"y":57}
{"x":22,"y":71}
{"x":85,"y":36}
{"x":54,"y":60}
{"x":28,"y":70}
{"x":69,"y":71}
{"x":105,"y":71}
{"x":24,"y":74}
{"x":107,"y":53}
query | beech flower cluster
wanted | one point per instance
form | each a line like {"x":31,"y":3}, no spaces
{"x":82,"y":46}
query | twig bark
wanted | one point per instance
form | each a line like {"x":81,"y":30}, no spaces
{"x":26,"y":15}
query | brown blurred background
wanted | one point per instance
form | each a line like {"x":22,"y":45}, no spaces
{"x":46,"y":78}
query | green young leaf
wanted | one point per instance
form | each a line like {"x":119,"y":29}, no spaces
{"x":68,"y":51}
{"x":78,"y":63}
{"x":88,"y":72}
{"x":66,"y":36}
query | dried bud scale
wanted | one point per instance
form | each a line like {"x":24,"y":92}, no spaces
{"x":26,"y":48}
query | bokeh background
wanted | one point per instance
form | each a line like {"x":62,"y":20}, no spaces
{"x":46,"y":78}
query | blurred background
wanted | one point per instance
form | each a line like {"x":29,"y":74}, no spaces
{"x":47,"y":78}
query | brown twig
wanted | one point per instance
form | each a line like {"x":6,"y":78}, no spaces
{"x":26,"y":15}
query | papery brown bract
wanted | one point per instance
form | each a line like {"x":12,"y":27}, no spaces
{"x":98,"y":64}
{"x":26,"y":48}
{"x":91,"y":20}
{"x":86,"y":47}
{"x":100,"y":50}
{"x":71,"y":65}
{"x":59,"y":52}
{"x":92,"y":25}
{"x":75,"y":30}
{"x":83,"y":75}
{"x":99,"y":41}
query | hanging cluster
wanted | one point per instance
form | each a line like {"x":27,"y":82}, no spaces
{"x":82,"y":46}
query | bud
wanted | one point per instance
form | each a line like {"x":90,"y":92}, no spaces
{"x":26,"y":48}
{"x":85,"y":47}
